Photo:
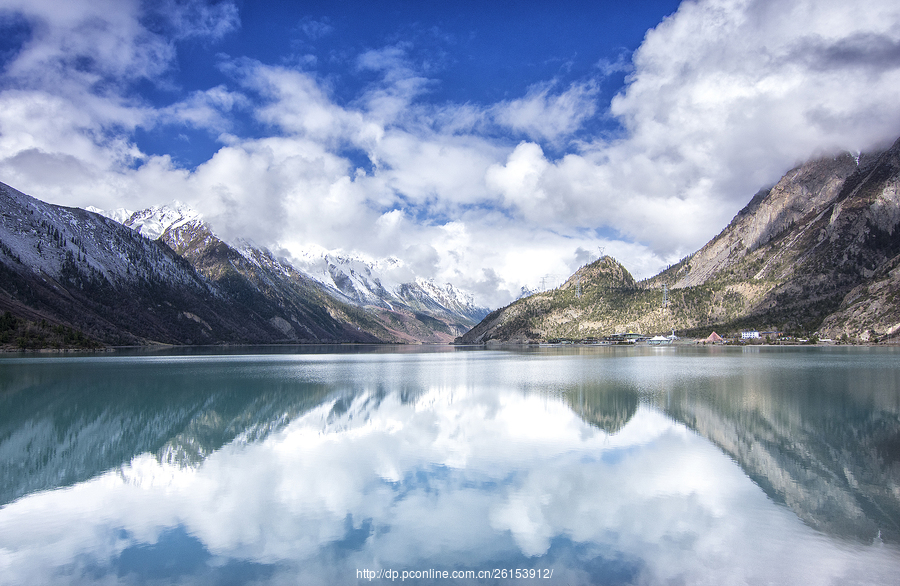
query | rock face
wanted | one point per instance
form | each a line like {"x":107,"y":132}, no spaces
{"x":808,"y":189}
{"x":817,"y":252}
{"x":808,"y":251}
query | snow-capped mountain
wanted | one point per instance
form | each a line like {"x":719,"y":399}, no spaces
{"x":162,"y":275}
{"x":368,"y":282}
{"x":69,"y":243}
{"x":118,"y":214}
{"x":154,"y":221}
{"x":349,"y":278}
{"x":65,"y":269}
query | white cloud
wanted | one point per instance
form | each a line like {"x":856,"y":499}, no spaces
{"x":724,"y":98}
{"x":294,"y":102}
{"x":545,"y":116}
{"x":519,"y":180}
{"x":726,"y":95}
{"x":207,"y":109}
{"x":86,"y":41}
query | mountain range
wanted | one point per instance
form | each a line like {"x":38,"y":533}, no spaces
{"x":818,"y":253}
{"x":73,"y":277}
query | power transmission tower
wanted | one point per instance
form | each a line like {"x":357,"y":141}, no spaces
{"x":578,"y":287}
{"x":665,"y":296}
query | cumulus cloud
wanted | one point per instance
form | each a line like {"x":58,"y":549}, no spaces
{"x":722,"y":98}
{"x":726,"y":95}
{"x":206,"y":110}
{"x":542,"y":115}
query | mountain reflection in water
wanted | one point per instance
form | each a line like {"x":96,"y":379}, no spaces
{"x":606,"y":465}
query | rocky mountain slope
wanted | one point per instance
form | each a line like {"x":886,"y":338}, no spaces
{"x":71,"y":277}
{"x":348,"y":287}
{"x":71,"y":268}
{"x":366,"y":283}
{"x":817,"y":252}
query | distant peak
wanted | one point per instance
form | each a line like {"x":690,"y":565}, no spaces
{"x":120,"y":215}
{"x":154,"y":221}
{"x":607,"y":271}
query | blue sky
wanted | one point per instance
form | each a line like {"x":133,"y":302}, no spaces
{"x":486,"y":144}
{"x":472,"y":52}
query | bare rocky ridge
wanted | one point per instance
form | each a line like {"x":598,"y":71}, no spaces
{"x":817,"y":252}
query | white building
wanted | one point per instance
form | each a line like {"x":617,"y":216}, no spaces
{"x":750,"y":335}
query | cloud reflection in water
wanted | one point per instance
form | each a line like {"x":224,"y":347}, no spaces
{"x":584,"y":480}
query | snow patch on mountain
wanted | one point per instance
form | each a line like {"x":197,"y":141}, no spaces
{"x":59,"y":242}
{"x":120,"y":215}
{"x":154,"y":221}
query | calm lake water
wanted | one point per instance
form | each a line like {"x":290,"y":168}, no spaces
{"x":367,"y":465}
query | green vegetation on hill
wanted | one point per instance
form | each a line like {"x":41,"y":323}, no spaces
{"x":20,"y":334}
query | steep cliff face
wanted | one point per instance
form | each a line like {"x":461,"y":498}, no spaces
{"x":804,"y":191}
{"x":871,"y":311}
{"x":816,"y":252}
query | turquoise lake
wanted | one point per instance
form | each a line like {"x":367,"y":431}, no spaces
{"x":452,"y":465}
